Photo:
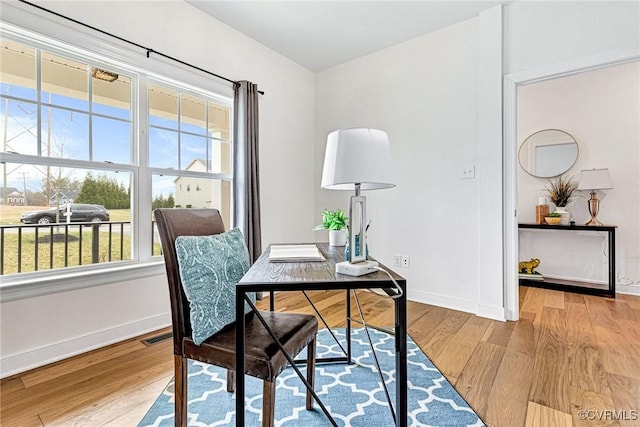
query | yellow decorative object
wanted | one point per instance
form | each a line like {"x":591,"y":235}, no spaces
{"x":528,"y":266}
{"x":553,"y":220}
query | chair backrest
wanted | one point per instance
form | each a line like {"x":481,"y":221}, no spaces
{"x":171,"y":224}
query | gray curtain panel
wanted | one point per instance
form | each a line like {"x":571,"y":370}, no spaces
{"x":246,"y":175}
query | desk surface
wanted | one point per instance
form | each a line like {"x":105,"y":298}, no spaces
{"x":264,"y":276}
{"x":275,"y":276}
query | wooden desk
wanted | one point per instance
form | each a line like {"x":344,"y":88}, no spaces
{"x":572,"y":285}
{"x":264,"y":276}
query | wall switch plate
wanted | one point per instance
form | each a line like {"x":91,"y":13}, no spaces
{"x":397,"y":260}
{"x":468,"y":172}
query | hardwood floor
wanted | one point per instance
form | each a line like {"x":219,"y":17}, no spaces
{"x":568,"y":353}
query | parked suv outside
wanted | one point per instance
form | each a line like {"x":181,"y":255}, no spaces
{"x":79,"y":213}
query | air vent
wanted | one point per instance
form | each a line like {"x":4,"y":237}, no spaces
{"x":158,"y":338}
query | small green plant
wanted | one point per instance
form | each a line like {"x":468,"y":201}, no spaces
{"x":561,"y":190}
{"x":333,"y":220}
{"x":553,"y":215}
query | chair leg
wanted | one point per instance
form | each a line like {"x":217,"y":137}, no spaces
{"x":231,"y":380}
{"x":268,"y":402}
{"x":180,"y":390}
{"x":311,"y":365}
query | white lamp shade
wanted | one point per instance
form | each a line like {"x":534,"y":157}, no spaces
{"x":594,"y":179}
{"x":357,"y":156}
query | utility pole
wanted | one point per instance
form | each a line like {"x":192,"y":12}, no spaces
{"x":24,"y":185}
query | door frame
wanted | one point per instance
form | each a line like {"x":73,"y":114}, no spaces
{"x":511,"y":82}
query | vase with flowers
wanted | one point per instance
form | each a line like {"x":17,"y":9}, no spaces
{"x":560,"y":191}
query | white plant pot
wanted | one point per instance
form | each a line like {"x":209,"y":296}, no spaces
{"x":337,"y":237}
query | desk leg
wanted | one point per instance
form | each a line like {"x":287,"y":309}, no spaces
{"x":239,"y":358}
{"x":348,"y":326}
{"x":401,"y":360}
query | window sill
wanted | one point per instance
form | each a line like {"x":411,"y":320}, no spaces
{"x":41,"y":283}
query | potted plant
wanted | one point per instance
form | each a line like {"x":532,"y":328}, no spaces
{"x":560,"y":191}
{"x":336,"y":222}
{"x":553,"y":218}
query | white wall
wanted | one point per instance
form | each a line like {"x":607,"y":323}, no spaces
{"x":601,"y":109}
{"x":424,"y":94}
{"x":43,"y":329}
{"x":539,"y":33}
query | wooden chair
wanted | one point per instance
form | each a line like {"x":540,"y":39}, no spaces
{"x":263,"y":359}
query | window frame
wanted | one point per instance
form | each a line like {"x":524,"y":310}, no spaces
{"x":34,"y":28}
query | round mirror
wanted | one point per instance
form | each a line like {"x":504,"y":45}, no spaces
{"x":548,"y":153}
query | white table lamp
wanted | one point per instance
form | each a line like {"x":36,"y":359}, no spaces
{"x":592,"y":180}
{"x":357,"y":159}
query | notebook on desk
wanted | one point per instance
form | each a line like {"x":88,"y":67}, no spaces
{"x":295,"y":253}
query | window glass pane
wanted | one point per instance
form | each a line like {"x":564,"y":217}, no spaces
{"x":219,"y":121}
{"x":190,"y":192}
{"x":220,"y":156}
{"x":111,"y":98}
{"x":163,"y":148}
{"x":192,"y":114}
{"x":111,"y":140}
{"x":163,"y":107}
{"x":64,"y":82}
{"x":37,"y":196}
{"x":193,"y":153}
{"x":19,"y":123}
{"x":65,"y":134}
{"x":18,"y":69}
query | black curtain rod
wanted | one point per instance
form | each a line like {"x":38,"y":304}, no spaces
{"x":148,"y":50}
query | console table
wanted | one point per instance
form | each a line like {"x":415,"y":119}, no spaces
{"x":577,"y":286}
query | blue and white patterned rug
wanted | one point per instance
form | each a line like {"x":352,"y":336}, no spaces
{"x":353,"y":394}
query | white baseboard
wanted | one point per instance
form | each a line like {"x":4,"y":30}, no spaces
{"x":20,"y":362}
{"x":460,"y":304}
{"x":628,"y":290}
{"x":491,"y":312}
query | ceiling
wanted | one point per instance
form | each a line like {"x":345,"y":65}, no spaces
{"x":321,"y":34}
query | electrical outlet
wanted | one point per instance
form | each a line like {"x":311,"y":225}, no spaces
{"x":468,"y":172}
{"x":404,"y":261}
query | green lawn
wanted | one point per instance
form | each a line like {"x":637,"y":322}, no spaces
{"x":44,"y":260}
{"x":119,"y":249}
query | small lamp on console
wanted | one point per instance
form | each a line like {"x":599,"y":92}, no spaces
{"x":592,"y":180}
{"x":357,"y":159}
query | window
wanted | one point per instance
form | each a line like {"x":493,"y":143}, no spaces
{"x":80,"y":135}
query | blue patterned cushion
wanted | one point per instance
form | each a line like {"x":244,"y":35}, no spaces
{"x":210,"y":267}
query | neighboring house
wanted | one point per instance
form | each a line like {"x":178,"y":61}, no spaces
{"x":11,"y":196}
{"x":62,"y":198}
{"x":196,"y":192}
